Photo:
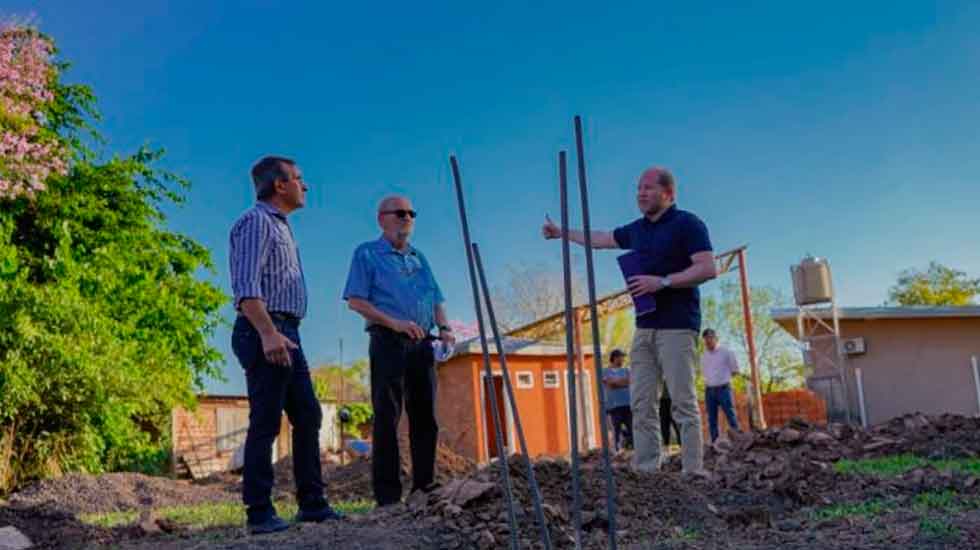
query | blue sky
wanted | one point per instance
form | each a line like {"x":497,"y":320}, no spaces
{"x":847,"y":129}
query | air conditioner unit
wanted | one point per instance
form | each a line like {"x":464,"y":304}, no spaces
{"x":853,"y":346}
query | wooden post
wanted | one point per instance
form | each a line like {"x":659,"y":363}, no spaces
{"x":743,"y":278}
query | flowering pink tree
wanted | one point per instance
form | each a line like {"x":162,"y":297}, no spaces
{"x":464,"y":331}
{"x":29,"y":152}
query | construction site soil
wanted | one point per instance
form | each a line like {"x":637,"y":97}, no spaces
{"x":766,"y":489}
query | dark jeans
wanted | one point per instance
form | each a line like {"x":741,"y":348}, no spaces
{"x":622,"y":425}
{"x":719,"y":396}
{"x":402,"y":374}
{"x":271,"y":390}
{"x":666,"y":421}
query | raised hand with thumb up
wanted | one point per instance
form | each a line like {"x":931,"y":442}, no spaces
{"x":549,"y":230}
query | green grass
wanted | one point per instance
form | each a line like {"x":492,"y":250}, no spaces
{"x":869,"y":508}
{"x":934,"y":501}
{"x":938,"y":528}
{"x":689,"y":534}
{"x":945,"y":501}
{"x":205,"y":516}
{"x":897,"y":465}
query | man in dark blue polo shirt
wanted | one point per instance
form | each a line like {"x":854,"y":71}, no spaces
{"x":392,"y":286}
{"x":680,"y":257}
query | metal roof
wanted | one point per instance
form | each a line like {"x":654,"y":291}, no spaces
{"x":513,"y":346}
{"x":900,"y":312}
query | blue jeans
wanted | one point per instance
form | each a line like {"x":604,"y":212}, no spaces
{"x":719,"y":396}
{"x":273,"y":389}
{"x":622,"y":425}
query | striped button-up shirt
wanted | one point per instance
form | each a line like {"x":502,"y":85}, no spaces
{"x":265,"y":261}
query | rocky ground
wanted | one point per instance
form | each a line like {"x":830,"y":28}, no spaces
{"x":783,"y":487}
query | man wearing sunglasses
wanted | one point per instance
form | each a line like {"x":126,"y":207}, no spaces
{"x":270,"y":296}
{"x":392,"y":286}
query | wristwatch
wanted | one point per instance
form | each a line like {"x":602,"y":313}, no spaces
{"x":665,"y":282}
{"x":444,"y":328}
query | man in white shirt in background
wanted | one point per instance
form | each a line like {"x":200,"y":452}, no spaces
{"x":719,"y":365}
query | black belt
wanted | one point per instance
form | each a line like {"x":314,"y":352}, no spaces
{"x":283,"y":316}
{"x":380,"y":330}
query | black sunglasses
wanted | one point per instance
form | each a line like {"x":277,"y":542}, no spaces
{"x":401,"y":213}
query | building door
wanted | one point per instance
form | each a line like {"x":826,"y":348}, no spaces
{"x":494,"y":390}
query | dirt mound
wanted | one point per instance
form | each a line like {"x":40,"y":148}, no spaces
{"x":51,"y":528}
{"x":82,"y":493}
{"x":795,"y":463}
{"x":352,"y":481}
{"x":759,"y":483}
{"x":649,"y":505}
{"x":449,"y":464}
{"x":763,"y":492}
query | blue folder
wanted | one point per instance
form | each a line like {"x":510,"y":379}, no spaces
{"x":638,"y":263}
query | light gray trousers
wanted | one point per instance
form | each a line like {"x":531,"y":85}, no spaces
{"x":667,"y":355}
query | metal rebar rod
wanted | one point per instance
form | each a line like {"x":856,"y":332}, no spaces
{"x":596,"y":344}
{"x":488,"y":372}
{"x":570,"y":347}
{"x":532,"y":479}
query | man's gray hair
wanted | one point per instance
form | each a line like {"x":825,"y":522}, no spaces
{"x":383,"y":203}
{"x":266,"y":171}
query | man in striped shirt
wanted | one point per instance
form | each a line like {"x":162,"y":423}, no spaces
{"x":270,"y":296}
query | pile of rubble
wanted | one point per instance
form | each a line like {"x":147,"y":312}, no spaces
{"x":796,"y":462}
{"x":351,"y":479}
{"x":758,"y":481}
{"x":475,"y":511}
{"x":85,"y":493}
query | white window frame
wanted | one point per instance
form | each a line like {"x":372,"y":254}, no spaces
{"x":524,"y":385}
{"x":550,"y":385}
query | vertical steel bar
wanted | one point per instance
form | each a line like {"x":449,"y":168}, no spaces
{"x":488,"y":372}
{"x":531,"y":478}
{"x":570,"y":352}
{"x":596,"y":344}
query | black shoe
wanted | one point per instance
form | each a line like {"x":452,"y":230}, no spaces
{"x":273,"y":524}
{"x":318,"y":515}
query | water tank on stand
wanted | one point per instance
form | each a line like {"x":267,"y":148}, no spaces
{"x":811,"y":281}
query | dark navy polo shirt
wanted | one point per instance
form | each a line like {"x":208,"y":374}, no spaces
{"x":670,"y":242}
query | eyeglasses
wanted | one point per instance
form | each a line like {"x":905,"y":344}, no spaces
{"x":401,"y":213}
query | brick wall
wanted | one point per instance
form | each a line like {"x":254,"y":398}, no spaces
{"x":778,"y":407}
{"x":195,"y":437}
{"x":456,"y":406}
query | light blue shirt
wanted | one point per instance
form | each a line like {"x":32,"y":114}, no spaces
{"x":399,"y":284}
{"x":616,"y":397}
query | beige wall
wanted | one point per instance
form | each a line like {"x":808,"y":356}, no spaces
{"x":915,"y":364}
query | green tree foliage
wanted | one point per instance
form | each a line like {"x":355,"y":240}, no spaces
{"x":360,"y":414}
{"x":104,"y":324}
{"x":346,"y":385}
{"x":780,"y":364}
{"x":938,"y":285}
{"x":333,"y":382}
